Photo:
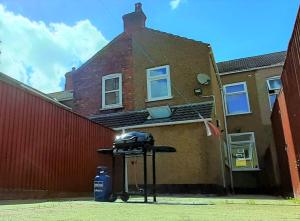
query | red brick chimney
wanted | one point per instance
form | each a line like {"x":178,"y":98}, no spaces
{"x":69,"y":80}
{"x":135,"y":20}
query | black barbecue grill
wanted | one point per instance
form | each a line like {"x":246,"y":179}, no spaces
{"x":133,"y":140}
{"x":135,"y":144}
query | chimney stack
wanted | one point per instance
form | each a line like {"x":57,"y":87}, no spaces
{"x":69,"y":79}
{"x":138,"y":7}
{"x":135,"y":20}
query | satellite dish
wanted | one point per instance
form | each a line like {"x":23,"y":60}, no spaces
{"x":203,"y":79}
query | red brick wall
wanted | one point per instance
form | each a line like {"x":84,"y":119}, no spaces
{"x":87,"y":80}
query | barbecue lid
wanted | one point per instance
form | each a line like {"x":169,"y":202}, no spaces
{"x":134,"y":136}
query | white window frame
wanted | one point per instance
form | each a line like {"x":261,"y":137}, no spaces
{"x":107,"y":77}
{"x":249,"y":158}
{"x":276,"y":91}
{"x":149,"y":79}
{"x":240,"y":92}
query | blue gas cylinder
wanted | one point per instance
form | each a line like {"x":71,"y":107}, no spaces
{"x":102,"y":184}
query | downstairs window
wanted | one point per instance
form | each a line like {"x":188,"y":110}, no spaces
{"x":243,"y":151}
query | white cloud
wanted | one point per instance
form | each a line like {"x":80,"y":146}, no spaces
{"x":174,"y":4}
{"x":40,"y":54}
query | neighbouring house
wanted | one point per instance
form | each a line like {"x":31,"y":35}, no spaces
{"x":250,"y":88}
{"x":146,"y":80}
{"x":286,"y":116}
{"x":46,"y":150}
{"x":65,"y":97}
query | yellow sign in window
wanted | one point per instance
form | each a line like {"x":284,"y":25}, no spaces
{"x":240,"y":163}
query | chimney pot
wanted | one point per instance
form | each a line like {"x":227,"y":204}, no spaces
{"x":138,"y":7}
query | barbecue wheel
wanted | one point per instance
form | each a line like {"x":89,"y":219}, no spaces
{"x":124,"y":197}
{"x":112,"y":198}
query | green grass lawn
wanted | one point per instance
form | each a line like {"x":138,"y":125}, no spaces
{"x":168,"y":208}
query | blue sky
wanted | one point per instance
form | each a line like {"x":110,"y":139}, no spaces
{"x":234,"y":28}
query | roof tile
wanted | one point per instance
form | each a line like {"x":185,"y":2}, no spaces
{"x":179,"y":113}
{"x":244,"y":64}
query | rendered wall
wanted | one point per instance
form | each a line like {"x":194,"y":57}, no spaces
{"x":195,"y":165}
{"x":267,"y":178}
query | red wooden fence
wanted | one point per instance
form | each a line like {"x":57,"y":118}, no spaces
{"x":289,"y":106}
{"x":281,"y":149}
{"x":44,"y":147}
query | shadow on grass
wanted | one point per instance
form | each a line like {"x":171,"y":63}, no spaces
{"x":36,"y":201}
{"x":168,"y":203}
{"x":165,"y":199}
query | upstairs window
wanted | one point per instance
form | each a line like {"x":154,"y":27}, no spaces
{"x":158,"y":83}
{"x":112,"y":91}
{"x":243,"y":151}
{"x":274,"y":85}
{"x":236,"y":98}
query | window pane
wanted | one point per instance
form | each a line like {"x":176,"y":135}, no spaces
{"x":158,"y":72}
{"x":244,"y":156}
{"x":241,"y":150}
{"x":274,"y":84}
{"x":112,"y":84}
{"x":235,"y":88}
{"x":237,"y":103}
{"x":159,"y":88}
{"x":272,"y":98}
{"x":112,"y":98}
{"x":241,"y":137}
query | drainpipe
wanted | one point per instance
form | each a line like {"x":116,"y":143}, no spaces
{"x":227,"y":144}
{"x":220,"y":143}
{"x":225,"y":120}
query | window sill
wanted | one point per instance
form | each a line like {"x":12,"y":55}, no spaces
{"x":246,"y":170}
{"x":112,"y":107}
{"x":228,"y":115}
{"x":159,"y":99}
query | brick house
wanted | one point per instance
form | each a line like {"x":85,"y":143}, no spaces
{"x":250,"y":89}
{"x":146,"y":80}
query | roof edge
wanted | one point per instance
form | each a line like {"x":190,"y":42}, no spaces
{"x":251,"y":69}
{"x":100,"y":51}
{"x":254,"y":56}
{"x":177,"y":36}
